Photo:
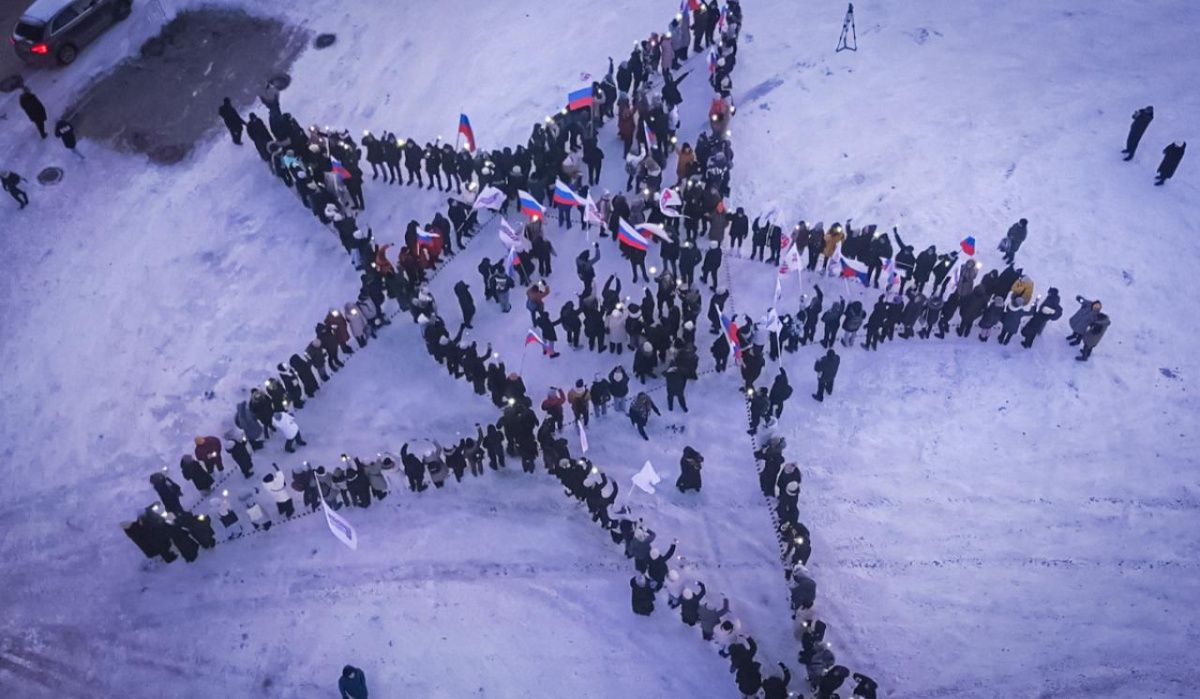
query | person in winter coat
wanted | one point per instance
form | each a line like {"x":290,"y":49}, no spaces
{"x":970,"y":308}
{"x":1013,"y":239}
{"x":1088,"y":311}
{"x":1010,"y":319}
{"x":11,"y":182}
{"x":832,"y":318}
{"x":304,"y":370}
{"x":865,"y":689}
{"x":676,"y":380}
{"x":642,"y":589}
{"x":357,"y":324}
{"x":188,"y":547}
{"x":1092,"y":336}
{"x":34,"y":109}
{"x":1141,"y":121}
{"x":781,"y":390}
{"x":149,"y":532}
{"x":689,"y":470}
{"x":245,"y":420}
{"x":709,"y":617}
{"x":208,"y":451}
{"x":276,"y":486}
{"x":578,"y":398}
{"x":238,"y":446}
{"x":618,"y":383}
{"x":991,"y":317}
{"x":168,"y":492}
{"x":197,"y":474}
{"x":553,"y":405}
{"x":827,"y":369}
{"x":711,"y":264}
{"x":1050,"y":310}
{"x":233,"y":121}
{"x":639,"y":413}
{"x":353,"y":683}
{"x":1023,"y":289}
{"x":776,"y":686}
{"x":465,"y":302}
{"x":855,"y":315}
{"x":965,"y":279}
{"x":286,"y":425}
{"x":66,"y":133}
{"x":1172,"y":155}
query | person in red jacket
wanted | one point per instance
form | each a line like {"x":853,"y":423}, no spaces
{"x":553,"y":405}
{"x":208,"y":452}
{"x":341,"y":330}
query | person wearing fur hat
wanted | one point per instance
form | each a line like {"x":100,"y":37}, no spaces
{"x":276,"y":486}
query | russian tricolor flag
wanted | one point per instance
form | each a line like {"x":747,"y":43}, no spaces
{"x":580,"y":97}
{"x":426,"y":236}
{"x":651,"y":139}
{"x":529,"y":206}
{"x":511,"y":261}
{"x":629,"y":236}
{"x":712,"y":60}
{"x":565,"y":195}
{"x":464,"y":129}
{"x":968,"y":245}
{"x":854,"y":270}
{"x":731,"y":334}
{"x":532,"y":337}
{"x":339,"y":169}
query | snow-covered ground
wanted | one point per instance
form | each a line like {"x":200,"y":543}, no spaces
{"x":986,"y":520}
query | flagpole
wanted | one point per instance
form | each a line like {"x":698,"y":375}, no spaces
{"x":458,"y":130}
{"x":524,"y":352}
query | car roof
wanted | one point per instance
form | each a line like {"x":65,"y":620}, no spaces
{"x":44,"y":10}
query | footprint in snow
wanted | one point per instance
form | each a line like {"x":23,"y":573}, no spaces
{"x":1127,"y":276}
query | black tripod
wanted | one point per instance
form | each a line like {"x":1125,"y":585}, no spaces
{"x":848,"y":32}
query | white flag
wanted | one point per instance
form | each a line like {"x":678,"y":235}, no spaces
{"x":647,"y":478}
{"x":340,"y":527}
{"x":791,"y":262}
{"x":669,"y":199}
{"x":583,"y":443}
{"x":490,"y":198}
{"x":508,"y":236}
{"x":592,"y":213}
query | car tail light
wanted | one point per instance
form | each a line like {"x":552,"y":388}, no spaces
{"x":39,"y":49}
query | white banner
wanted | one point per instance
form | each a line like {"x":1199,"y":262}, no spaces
{"x":490,"y":198}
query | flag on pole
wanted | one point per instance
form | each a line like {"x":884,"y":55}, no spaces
{"x":651,"y":139}
{"x":531,"y":337}
{"x":591,"y":212}
{"x":530,"y":206}
{"x":565,"y":195}
{"x":342,"y":530}
{"x":731,"y":334}
{"x":892,"y":274}
{"x":722,"y":19}
{"x":508,"y":236}
{"x":426,"y":236}
{"x":580,"y":97}
{"x":854,"y":270}
{"x":511,"y":261}
{"x":791,"y":261}
{"x":968,"y":245}
{"x":653,"y":229}
{"x":647,"y":478}
{"x":668,"y":199}
{"x":583,"y":443}
{"x":712,"y":60}
{"x":629,"y":236}
{"x":490,"y":198}
{"x":339,"y":169}
{"x":778,"y":289}
{"x":464,"y":130}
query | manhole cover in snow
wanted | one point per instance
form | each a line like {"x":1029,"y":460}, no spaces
{"x":324,"y":40}
{"x":51,"y":175}
{"x":281,"y":81}
{"x":11,"y":84}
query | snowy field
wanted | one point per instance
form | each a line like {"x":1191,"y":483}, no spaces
{"x":987,"y":520}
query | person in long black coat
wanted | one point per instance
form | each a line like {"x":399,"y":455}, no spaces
{"x":689,"y":470}
{"x":195,"y":472}
{"x":66,"y":133}
{"x":168,"y":492}
{"x":233,"y":120}
{"x":1141,"y":120}
{"x":1049,"y":310}
{"x":827,"y":369}
{"x":1172,"y":154}
{"x":642,"y":594}
{"x":781,"y":390}
{"x":34,"y":109}
{"x":465,"y":302}
{"x":304,"y":370}
{"x":199,"y":527}
{"x":353,"y":683}
{"x":258,"y":133}
{"x":188,"y":547}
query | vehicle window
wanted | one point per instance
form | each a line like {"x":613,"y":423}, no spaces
{"x":63,"y":19}
{"x":30,"y":31}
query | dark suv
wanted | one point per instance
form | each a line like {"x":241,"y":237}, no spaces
{"x":52,"y":31}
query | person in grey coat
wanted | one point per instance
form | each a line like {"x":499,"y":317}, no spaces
{"x":250,"y":425}
{"x":1049,"y":310}
{"x":1092,"y":336}
{"x":1088,"y":310}
{"x":709,"y":617}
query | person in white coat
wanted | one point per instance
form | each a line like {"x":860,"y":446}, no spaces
{"x":617,"y":336}
{"x":286,"y":424}
{"x":258,"y":518}
{"x":357,"y":322}
{"x":276,"y":486}
{"x":674,"y":585}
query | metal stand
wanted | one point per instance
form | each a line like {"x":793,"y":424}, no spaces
{"x":848,"y":32}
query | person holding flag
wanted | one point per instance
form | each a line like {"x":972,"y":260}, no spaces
{"x":565,"y":199}
{"x":633,"y":245}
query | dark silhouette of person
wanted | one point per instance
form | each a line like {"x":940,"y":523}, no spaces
{"x":1172,"y":154}
{"x":1141,"y":120}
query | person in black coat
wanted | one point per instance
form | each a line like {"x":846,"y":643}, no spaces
{"x":168,"y":492}
{"x":1172,"y":154}
{"x":775,"y":686}
{"x":760,"y":408}
{"x":865,"y":689}
{"x":188,"y":547}
{"x":304,"y":370}
{"x":1049,"y":310}
{"x":781,"y":390}
{"x":353,"y":683}
{"x":689,"y":470}
{"x":66,"y":133}
{"x":34,"y":109}
{"x":642,"y":593}
{"x":827,"y":369}
{"x":258,"y":133}
{"x":465,"y":302}
{"x":1141,"y":120}
{"x":1013,"y":239}
{"x":233,"y":120}
{"x":832,"y":319}
{"x":199,"y":527}
{"x":195,"y":472}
